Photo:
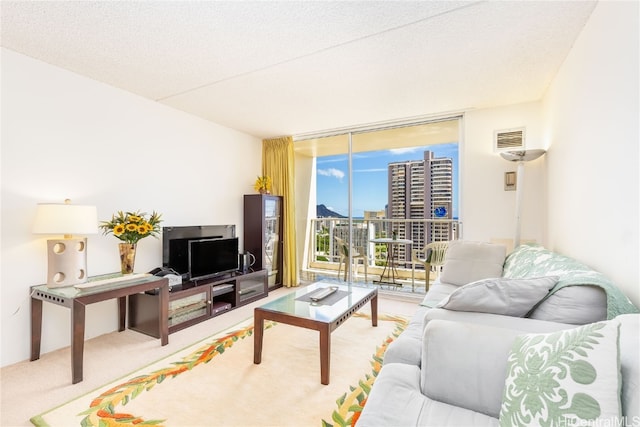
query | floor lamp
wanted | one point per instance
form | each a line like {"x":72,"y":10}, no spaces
{"x":521,"y":157}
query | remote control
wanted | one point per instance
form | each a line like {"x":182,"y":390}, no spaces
{"x":323,"y":294}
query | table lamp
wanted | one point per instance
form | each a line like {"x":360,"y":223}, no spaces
{"x":520,"y":157}
{"x":67,"y":257}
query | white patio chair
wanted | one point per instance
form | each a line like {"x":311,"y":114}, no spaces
{"x":431,"y":257}
{"x":357,"y":254}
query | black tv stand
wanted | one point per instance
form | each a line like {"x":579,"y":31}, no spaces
{"x":197,"y":301}
{"x":207,"y":280}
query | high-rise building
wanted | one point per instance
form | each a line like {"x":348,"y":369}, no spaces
{"x":374,"y":214}
{"x":440,"y":192}
{"x":420,"y":189}
{"x":378,"y":219}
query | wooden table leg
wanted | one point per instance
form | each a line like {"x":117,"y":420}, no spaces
{"x":164,"y":314}
{"x":36,"y":328}
{"x":77,"y":340}
{"x":122,"y":313}
{"x":258,"y":332}
{"x":325,"y":354}
{"x":374,"y":310}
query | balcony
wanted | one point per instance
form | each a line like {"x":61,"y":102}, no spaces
{"x":323,"y":255}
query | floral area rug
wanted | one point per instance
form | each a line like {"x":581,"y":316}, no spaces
{"x":215,"y":382}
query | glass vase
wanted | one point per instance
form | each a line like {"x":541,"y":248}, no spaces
{"x":127,"y":257}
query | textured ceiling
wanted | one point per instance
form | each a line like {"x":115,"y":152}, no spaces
{"x":280,"y":68}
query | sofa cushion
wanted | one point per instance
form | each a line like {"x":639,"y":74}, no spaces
{"x":453,"y":374}
{"x":569,"y":377}
{"x":522,"y":324}
{"x":511,"y":297}
{"x":395,"y":398}
{"x":439,"y":414}
{"x":407,"y":348}
{"x":467,"y":261}
{"x":436,"y":293}
{"x":578,"y":305}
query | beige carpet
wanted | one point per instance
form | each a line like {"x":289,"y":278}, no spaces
{"x":216,"y":383}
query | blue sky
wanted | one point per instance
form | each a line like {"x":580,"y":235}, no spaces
{"x":370,"y":177}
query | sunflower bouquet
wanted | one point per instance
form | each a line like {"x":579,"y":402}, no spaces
{"x":263,"y":184}
{"x":132,"y":226}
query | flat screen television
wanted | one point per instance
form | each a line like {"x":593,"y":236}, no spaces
{"x":212,"y":257}
{"x":175,"y":243}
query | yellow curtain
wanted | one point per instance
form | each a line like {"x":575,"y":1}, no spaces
{"x":278,"y":163}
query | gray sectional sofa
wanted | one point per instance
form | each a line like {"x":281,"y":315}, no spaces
{"x":535,"y":338}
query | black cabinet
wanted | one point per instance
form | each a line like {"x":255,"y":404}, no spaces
{"x":197,"y":301}
{"x":263,"y":234}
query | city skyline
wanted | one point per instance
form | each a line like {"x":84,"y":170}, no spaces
{"x":370,"y":174}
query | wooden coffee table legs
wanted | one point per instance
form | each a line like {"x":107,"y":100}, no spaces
{"x":324,"y":328}
{"x":325,"y":337}
{"x":258,"y":332}
{"x":325,"y":354}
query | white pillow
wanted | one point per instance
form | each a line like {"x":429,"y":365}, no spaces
{"x":464,"y":364}
{"x":510,"y":297}
{"x":467,"y":261}
{"x":566,"y":378}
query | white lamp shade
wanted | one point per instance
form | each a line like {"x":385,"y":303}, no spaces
{"x":52,"y":218}
{"x":522,"y":156}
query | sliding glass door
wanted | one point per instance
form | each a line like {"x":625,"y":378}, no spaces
{"x":377,"y":192}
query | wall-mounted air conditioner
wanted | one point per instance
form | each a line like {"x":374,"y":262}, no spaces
{"x":509,"y":140}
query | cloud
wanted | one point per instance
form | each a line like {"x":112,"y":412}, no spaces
{"x":336,"y":173}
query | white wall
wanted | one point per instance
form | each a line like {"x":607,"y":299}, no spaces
{"x":487,"y":210}
{"x":67,"y":136}
{"x":591,"y":118}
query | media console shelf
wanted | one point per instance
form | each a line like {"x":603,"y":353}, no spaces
{"x":197,"y":301}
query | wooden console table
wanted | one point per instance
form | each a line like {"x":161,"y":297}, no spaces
{"x":76,"y":299}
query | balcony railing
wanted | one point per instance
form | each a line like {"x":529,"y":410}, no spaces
{"x":324,"y":254}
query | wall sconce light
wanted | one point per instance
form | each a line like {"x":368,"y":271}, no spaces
{"x":520,"y":157}
{"x":67,"y":257}
{"x":510,"y":181}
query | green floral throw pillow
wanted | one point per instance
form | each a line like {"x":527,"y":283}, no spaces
{"x":565,"y":378}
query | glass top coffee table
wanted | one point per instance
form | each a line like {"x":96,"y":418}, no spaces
{"x":325,"y":315}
